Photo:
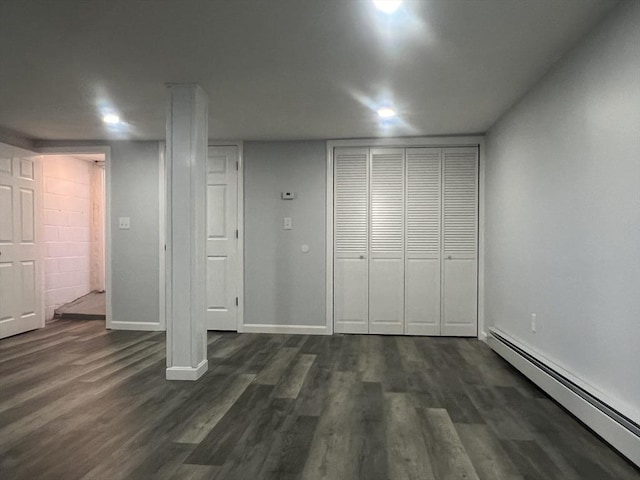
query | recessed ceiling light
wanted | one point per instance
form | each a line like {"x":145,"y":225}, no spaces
{"x":386,"y":112}
{"x":387,"y":6}
{"x":111,"y":119}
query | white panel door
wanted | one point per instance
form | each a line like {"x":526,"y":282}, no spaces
{"x":423,"y":251}
{"x":460,"y":241}
{"x":20,"y":270}
{"x":351,"y":273}
{"x":222,"y":242}
{"x":386,"y":242}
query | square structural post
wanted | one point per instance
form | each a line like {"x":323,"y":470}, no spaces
{"x":187,"y":134}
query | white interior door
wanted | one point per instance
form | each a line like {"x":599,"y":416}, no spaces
{"x":386,"y":264}
{"x":460,"y":242}
{"x":21,"y":307}
{"x":422,"y":292}
{"x":222,"y":238}
{"x":351,"y":269}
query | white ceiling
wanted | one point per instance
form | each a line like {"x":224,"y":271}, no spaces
{"x":277,"y":69}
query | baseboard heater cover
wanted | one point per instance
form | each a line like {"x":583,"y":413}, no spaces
{"x":616,"y":428}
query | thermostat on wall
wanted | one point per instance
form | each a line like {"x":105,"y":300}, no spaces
{"x":288,"y":195}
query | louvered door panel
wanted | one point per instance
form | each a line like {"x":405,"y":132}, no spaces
{"x":460,"y":241}
{"x":460,"y":209}
{"x":386,"y":265}
{"x":351,"y":199}
{"x":422,"y":259}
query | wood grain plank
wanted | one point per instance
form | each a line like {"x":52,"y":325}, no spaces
{"x":271,"y":373}
{"x":291,"y":449}
{"x":449,"y":457}
{"x":371,"y":360}
{"x":331,"y":455}
{"x":489,"y":459}
{"x":199,"y":427}
{"x":216,"y":447}
{"x":291,"y":385}
{"x":407,"y":452}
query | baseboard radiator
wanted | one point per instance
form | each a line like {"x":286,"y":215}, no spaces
{"x":621,"y":432}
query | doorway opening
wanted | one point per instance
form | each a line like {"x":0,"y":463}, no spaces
{"x":73,"y":232}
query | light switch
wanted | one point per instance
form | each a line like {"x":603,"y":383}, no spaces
{"x":124,"y":223}
{"x":288,"y":225}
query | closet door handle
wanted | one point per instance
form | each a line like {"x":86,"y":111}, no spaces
{"x":449,"y":257}
{"x":361,"y":257}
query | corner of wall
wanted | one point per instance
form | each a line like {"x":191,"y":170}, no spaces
{"x":16,"y":139}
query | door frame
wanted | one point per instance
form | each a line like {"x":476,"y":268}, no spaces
{"x":239,"y":224}
{"x":440,"y":142}
{"x":106,"y":150}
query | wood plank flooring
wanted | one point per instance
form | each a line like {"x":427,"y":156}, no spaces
{"x":80,"y":402}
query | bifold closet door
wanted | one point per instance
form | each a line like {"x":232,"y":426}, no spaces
{"x":460,"y":236}
{"x":423,"y":246}
{"x":405,"y":240}
{"x":351,"y":213}
{"x":386,"y":244}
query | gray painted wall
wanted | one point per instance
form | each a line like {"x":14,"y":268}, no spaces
{"x":563,"y":214}
{"x":135,"y":252}
{"x":284,"y":286}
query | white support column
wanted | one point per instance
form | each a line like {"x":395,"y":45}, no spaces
{"x":187,"y":131}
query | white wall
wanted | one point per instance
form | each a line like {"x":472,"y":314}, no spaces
{"x":563,"y":214}
{"x":284,"y":286}
{"x":67,"y":233}
{"x":97,"y":229}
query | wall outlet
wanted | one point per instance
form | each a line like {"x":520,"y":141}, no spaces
{"x":288,"y":223}
{"x":124,"y":223}
{"x":533,"y":323}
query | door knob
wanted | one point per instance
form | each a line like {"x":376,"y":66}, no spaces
{"x":449,"y":257}
{"x":361,"y":257}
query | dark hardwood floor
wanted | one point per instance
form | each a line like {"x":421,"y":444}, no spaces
{"x":80,"y":402}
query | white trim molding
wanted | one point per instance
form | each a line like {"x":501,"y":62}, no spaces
{"x":569,"y":392}
{"x":287,"y":329}
{"x":139,"y":326}
{"x":329,"y":240}
{"x":187,"y":373}
{"x":162,"y":235}
{"x":482,"y":155}
{"x":440,"y":141}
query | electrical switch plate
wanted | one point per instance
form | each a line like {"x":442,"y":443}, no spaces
{"x":124,"y":223}
{"x":288,"y":195}
{"x":288,"y":225}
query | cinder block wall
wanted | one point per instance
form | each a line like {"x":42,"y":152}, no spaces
{"x":67,"y":236}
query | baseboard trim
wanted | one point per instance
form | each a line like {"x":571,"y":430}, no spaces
{"x":578,"y":403}
{"x":290,"y":329}
{"x":139,"y":326}
{"x":187,"y":373}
